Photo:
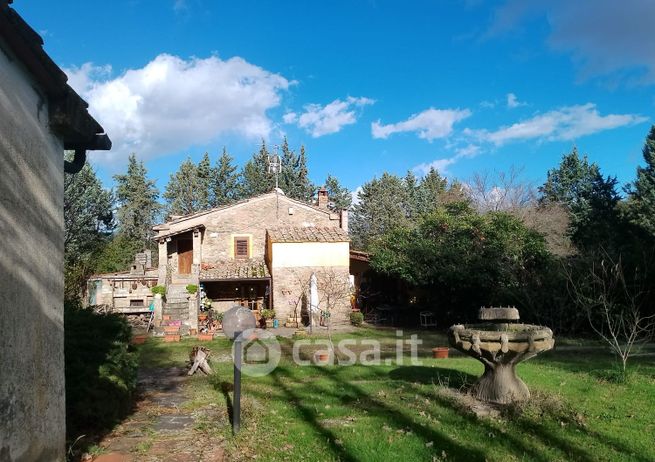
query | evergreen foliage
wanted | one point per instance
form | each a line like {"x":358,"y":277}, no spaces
{"x":340,"y":197}
{"x":255,"y":178}
{"x":460,"y":258}
{"x":183,"y":191}
{"x":294,"y":179}
{"x":225,"y":181}
{"x":138,"y":208}
{"x":641,"y":203}
{"x":590,"y":198}
{"x":205,"y":177}
{"x":88,"y":224}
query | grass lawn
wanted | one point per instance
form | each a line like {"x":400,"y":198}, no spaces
{"x":407,"y":412}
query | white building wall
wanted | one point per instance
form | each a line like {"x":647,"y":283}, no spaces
{"x":32,"y":411}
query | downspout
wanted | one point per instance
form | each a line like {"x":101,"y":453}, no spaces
{"x":77,"y":163}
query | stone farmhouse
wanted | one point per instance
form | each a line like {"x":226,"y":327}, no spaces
{"x":40,"y":117}
{"x":260,"y":253}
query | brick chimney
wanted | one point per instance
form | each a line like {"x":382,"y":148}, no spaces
{"x":323,"y":198}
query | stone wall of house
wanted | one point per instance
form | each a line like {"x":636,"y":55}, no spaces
{"x":247,"y":219}
{"x":251,"y":219}
{"x":291,"y":291}
{"x":32,"y":411}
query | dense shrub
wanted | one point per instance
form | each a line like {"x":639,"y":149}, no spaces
{"x":356,"y":318}
{"x":161,"y":290}
{"x":101,"y":371}
{"x":192,"y":288}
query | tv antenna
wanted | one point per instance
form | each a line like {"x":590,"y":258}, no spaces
{"x":275,"y":165}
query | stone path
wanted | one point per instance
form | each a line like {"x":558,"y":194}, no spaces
{"x":160,"y":429}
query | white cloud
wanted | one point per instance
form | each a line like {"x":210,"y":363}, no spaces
{"x":290,"y":117}
{"x":441,"y":165}
{"x":513,"y":101}
{"x":602,"y":38}
{"x":566,"y":123}
{"x":429,"y":124}
{"x":180,"y":5}
{"x":320,"y":120}
{"x":468,"y":151}
{"x":172,"y":103}
{"x":487,"y":104}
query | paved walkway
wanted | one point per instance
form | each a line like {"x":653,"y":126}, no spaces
{"x":160,"y":430}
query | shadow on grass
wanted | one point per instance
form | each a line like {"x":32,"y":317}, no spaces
{"x":450,"y":378}
{"x":528,"y":434}
{"x":355,"y":396}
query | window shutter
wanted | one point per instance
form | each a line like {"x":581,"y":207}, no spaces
{"x":241,"y":248}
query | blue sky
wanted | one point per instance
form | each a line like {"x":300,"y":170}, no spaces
{"x":367,"y":86}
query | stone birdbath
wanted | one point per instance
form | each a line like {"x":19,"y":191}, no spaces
{"x":500,"y":344}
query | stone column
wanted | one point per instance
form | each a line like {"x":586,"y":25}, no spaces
{"x":163,"y":262}
{"x":193,"y":311}
{"x":159,"y":310}
{"x":197,"y":251}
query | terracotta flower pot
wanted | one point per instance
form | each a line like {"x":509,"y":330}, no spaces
{"x":139,"y":339}
{"x":440,"y":352}
{"x":171,"y":329}
{"x":321,"y":358}
{"x":205,"y":337}
{"x":171,"y":338}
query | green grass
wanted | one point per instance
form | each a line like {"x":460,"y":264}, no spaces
{"x":410,"y":412}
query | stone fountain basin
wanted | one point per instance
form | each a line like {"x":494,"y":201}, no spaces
{"x":502,"y":337}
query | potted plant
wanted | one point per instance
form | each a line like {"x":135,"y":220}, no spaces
{"x":206,"y":336}
{"x":356,"y":318}
{"x":139,"y":339}
{"x":158,"y":291}
{"x":192,"y":289}
{"x":268,"y":316}
{"x":219,"y":318}
{"x":440,"y":352}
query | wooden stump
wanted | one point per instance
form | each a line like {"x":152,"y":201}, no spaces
{"x":198,"y":358}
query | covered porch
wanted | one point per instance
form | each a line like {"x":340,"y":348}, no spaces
{"x":246,"y":283}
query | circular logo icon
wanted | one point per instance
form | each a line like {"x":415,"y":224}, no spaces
{"x":260,"y":352}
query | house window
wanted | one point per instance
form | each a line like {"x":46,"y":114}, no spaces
{"x":241,"y":247}
{"x":134,"y":302}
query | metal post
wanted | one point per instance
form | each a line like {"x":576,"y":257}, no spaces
{"x":236,"y":405}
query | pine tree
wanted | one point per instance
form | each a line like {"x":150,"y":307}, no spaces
{"x":429,"y":193}
{"x":88,"y":215}
{"x":339,"y":196}
{"x":294,"y":177}
{"x":138,"y":208}
{"x":255,"y":178}
{"x":641,"y":202}
{"x":182,"y":190}
{"x":204,"y":175}
{"x":590,"y":198}
{"x":88,"y":223}
{"x":382,"y":206}
{"x":225,"y":181}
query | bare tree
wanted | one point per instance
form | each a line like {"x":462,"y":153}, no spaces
{"x":614,"y":306}
{"x":334,"y":292}
{"x":502,"y":191}
{"x":508,"y":192}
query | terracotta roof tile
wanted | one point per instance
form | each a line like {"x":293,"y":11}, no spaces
{"x":308,"y":234}
{"x":236,"y":269}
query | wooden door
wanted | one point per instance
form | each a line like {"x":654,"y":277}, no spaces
{"x":184,"y":256}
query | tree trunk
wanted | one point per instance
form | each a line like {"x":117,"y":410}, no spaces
{"x":499,"y":384}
